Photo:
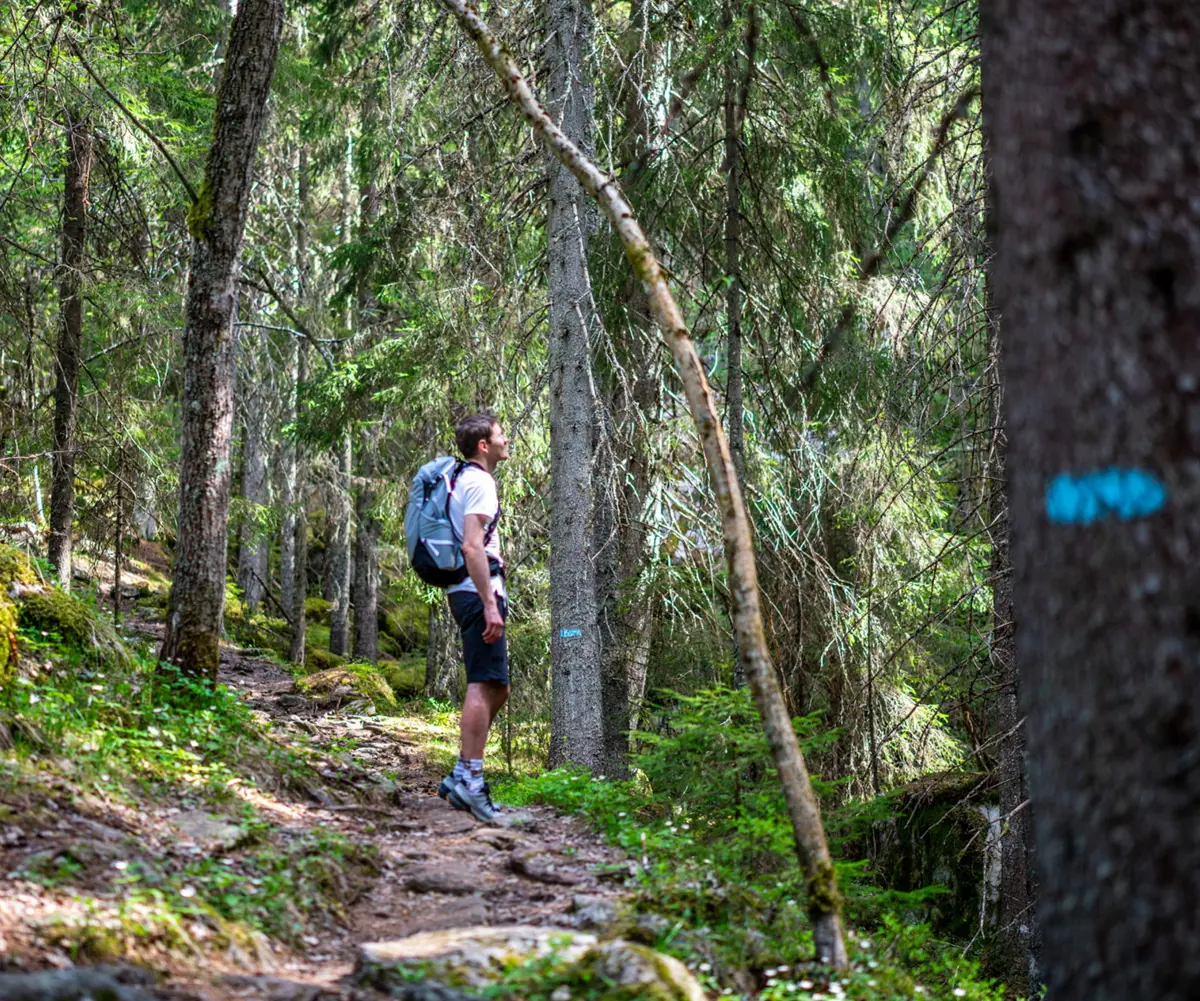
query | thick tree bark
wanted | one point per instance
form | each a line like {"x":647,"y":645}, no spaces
{"x":366,"y":559}
{"x":79,"y":154}
{"x":576,"y":729}
{"x":623,"y":466}
{"x":1094,"y":136}
{"x":824,"y":902}
{"x":737,"y":94}
{"x":299,"y":625}
{"x":217,"y":223}
{"x":442,"y":655}
{"x":337,"y":552}
{"x":253,"y":547}
{"x":288,"y":453}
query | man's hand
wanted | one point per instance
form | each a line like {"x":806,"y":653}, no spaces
{"x":493,"y":623}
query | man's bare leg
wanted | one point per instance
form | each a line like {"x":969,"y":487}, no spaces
{"x":484,"y":700}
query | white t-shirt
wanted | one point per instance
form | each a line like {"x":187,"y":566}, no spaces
{"x":475,"y":493}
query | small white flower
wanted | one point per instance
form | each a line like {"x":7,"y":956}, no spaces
{"x":806,"y":985}
{"x":705,"y":967}
{"x":784,"y":969}
{"x":864,"y":944}
{"x":187,"y":891}
{"x":772,"y":971}
{"x":621,"y":814}
{"x":919,"y":989}
{"x":601,"y":778}
{"x":685,"y":826}
{"x":870,"y":983}
{"x":772,"y":981}
{"x":122,"y":865}
{"x":958,"y":992}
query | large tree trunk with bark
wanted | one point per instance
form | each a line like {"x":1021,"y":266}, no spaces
{"x":366,"y":558}
{"x":337,"y":551}
{"x":299,"y":624}
{"x":442,"y":656}
{"x":824,"y":901}
{"x":79,"y":154}
{"x":217,"y":223}
{"x":576,"y":733}
{"x":623,"y":467}
{"x":1094,"y":134}
{"x":737,"y":95}
{"x":253,"y":547}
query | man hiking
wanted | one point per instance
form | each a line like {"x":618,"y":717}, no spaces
{"x":479,"y":607}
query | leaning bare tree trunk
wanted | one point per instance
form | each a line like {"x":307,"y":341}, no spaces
{"x":66,"y":357}
{"x":824,"y":901}
{"x":1095,"y":148}
{"x":576,"y":727}
{"x":216,"y":222}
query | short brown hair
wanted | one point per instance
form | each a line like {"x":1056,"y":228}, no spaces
{"x":471,"y":431}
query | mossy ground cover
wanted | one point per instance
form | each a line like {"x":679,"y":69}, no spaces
{"x":704,"y":821}
{"x":101,"y":732}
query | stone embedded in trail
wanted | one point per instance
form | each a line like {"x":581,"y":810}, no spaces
{"x":478,"y":957}
{"x":472,"y":956}
{"x":592,"y":912}
{"x":444,"y":877}
{"x":500,"y":839}
{"x":268,"y":988}
{"x":209,"y":831}
{"x":534,"y":865}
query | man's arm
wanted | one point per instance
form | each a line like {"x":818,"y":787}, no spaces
{"x":474,"y":525}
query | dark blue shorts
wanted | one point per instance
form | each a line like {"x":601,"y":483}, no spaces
{"x":485,"y":661}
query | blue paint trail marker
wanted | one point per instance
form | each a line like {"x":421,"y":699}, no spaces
{"x":1106,"y":493}
{"x":570,"y":634}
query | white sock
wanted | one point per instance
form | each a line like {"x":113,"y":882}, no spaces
{"x":461,"y":772}
{"x":474,"y":779}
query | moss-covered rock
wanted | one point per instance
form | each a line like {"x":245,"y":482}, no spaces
{"x":319,"y":659}
{"x":15,"y":568}
{"x":541,"y":957}
{"x":405,"y":676}
{"x":317,"y":610}
{"x":945,"y":835}
{"x":347,"y":683}
{"x":8,"y":640}
{"x":52,"y":611}
{"x":406,"y":625}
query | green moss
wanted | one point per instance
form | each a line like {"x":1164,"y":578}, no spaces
{"x":406,"y":676}
{"x":15,"y":568}
{"x":198,"y":215}
{"x":319,"y":659}
{"x":52,"y":611}
{"x":317,"y":609}
{"x":360,"y":681}
{"x":8,"y":640}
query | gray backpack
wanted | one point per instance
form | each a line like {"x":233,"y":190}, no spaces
{"x":434,"y":547}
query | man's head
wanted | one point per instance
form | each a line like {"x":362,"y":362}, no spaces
{"x":481,"y":439}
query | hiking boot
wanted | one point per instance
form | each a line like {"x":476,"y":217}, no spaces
{"x":479,"y":803}
{"x":446,"y":792}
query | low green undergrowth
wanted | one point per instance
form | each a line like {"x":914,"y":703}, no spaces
{"x":704,"y":820}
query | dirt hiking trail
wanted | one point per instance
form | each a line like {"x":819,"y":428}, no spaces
{"x":438,"y":868}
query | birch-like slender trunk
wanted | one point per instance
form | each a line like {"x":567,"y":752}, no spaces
{"x":293,"y":544}
{"x":576,"y":728}
{"x":824,"y":901}
{"x":79,"y":155}
{"x":366,"y":558}
{"x":217,"y":223}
